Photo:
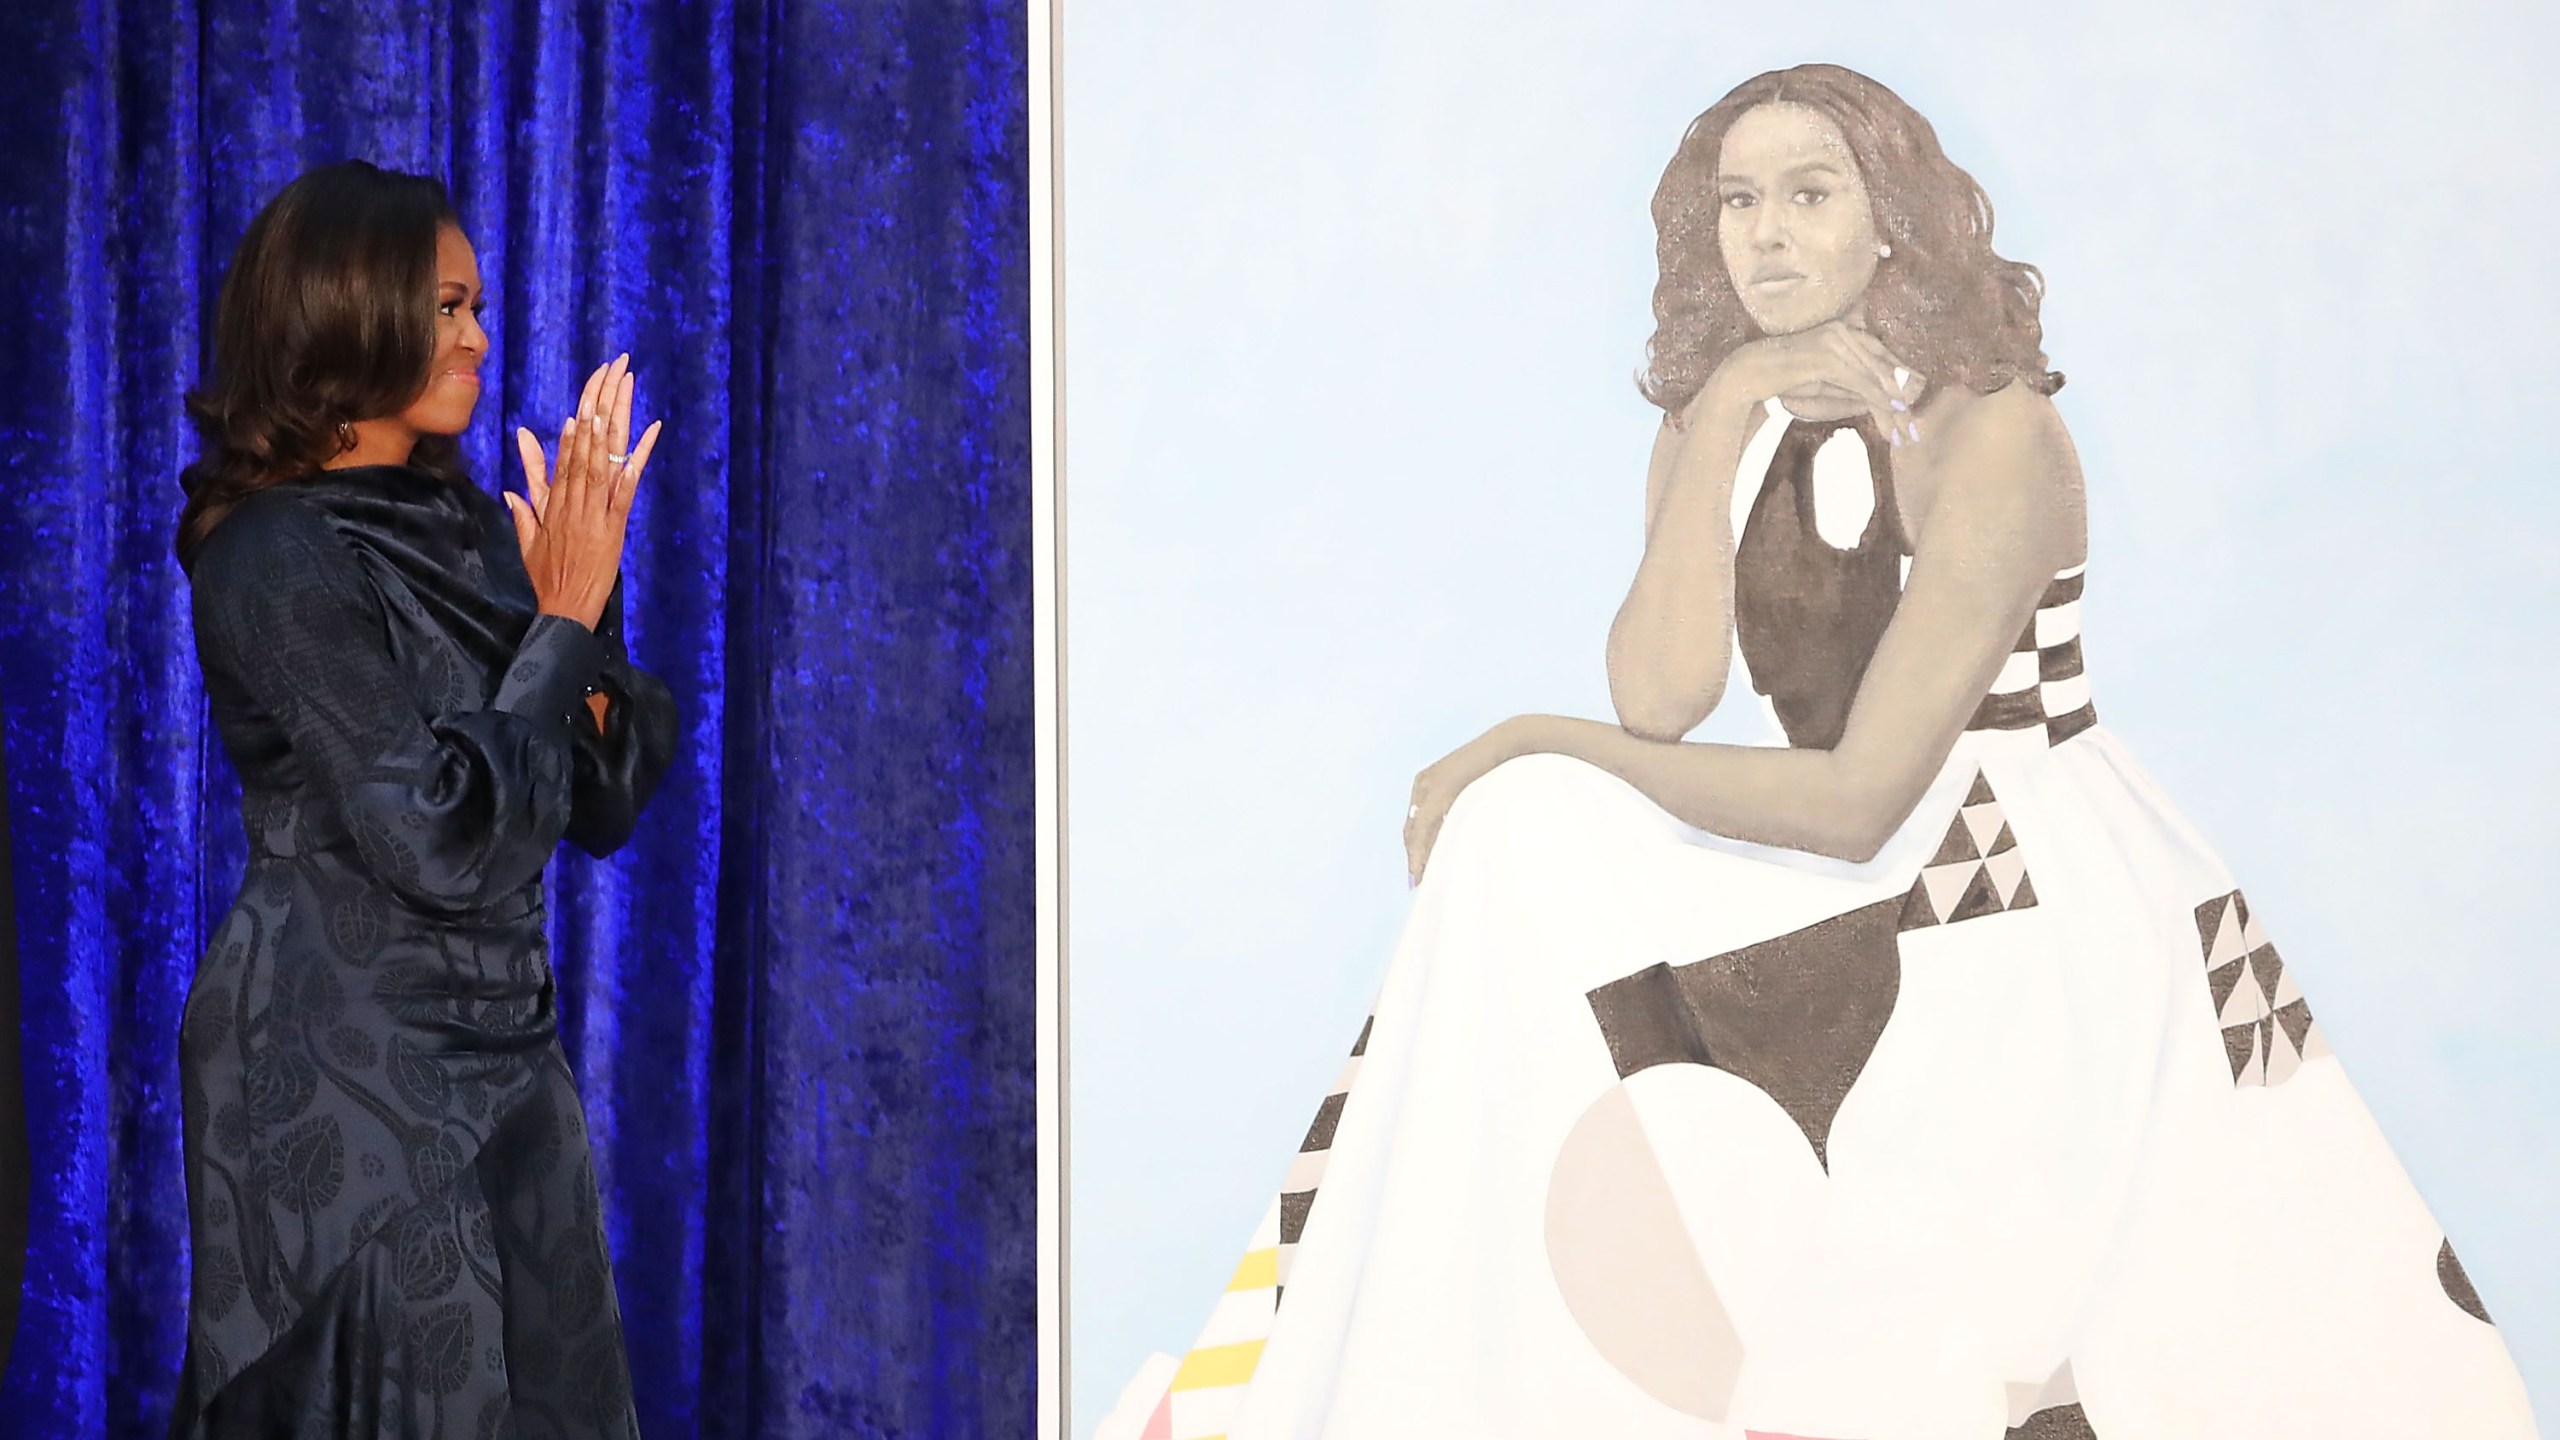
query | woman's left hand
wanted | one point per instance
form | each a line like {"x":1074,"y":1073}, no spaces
{"x":1438,"y":787}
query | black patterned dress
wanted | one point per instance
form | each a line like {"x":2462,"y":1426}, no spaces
{"x":395,"y":1221}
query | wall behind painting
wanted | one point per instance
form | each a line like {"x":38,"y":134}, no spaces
{"x":1356,"y":292}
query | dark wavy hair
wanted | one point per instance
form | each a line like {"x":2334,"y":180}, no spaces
{"x":328,"y":316}
{"x":1944,"y":303}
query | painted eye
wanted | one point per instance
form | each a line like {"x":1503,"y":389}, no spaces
{"x":1739,"y":201}
{"x":1811,"y":197}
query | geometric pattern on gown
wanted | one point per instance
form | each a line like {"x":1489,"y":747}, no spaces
{"x":1204,"y":1390}
{"x":2457,"y":1285}
{"x":2045,"y":681}
{"x":1798,"y":1015}
{"x":2060,"y":1422}
{"x":1978,"y":869}
{"x":2267,"y":1030}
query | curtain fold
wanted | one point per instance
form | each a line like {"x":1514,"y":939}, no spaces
{"x":800,"y":1003}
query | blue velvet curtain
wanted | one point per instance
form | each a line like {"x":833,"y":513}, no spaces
{"x":800,"y":1004}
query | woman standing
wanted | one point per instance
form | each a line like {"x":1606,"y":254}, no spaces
{"x":395,"y":1222}
{"x":1926,"y":1076}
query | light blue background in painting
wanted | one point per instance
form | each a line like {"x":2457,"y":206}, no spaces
{"x":1355,"y":292}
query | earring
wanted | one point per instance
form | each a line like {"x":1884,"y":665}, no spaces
{"x":1884,"y":252}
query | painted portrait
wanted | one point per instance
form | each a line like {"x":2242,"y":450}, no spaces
{"x":1806,"y":724}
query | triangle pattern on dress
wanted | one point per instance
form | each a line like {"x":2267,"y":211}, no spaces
{"x":2006,"y":868}
{"x":2253,"y":1069}
{"x":2240,"y":1047}
{"x":1957,"y":848}
{"x":2248,"y":1003}
{"x":1947,"y":884}
{"x":2220,"y":983}
{"x":1986,"y":825}
{"x":1977,"y":869}
{"x":2268,"y":966}
{"x":2226,"y":940}
{"x":2295,"y":1020}
{"x":2267,"y":1030}
{"x":2209,"y":923}
{"x":1978,"y":898}
{"x":2282,"y":1060}
{"x":2286,"y":992}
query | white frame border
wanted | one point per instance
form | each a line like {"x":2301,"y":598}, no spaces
{"x":1048,"y":691}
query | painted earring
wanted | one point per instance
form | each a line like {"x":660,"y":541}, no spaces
{"x":1884,"y":252}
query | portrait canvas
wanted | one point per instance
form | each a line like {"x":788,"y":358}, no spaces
{"x":1451,"y":412}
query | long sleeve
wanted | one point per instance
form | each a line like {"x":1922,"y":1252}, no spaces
{"x":616,"y":770}
{"x":452,"y":811}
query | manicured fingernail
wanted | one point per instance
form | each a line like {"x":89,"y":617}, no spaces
{"x":1898,"y":405}
{"x":1915,"y":430}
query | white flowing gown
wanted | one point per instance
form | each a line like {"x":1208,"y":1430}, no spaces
{"x":2023,"y":1127}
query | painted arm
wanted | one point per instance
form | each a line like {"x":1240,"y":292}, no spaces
{"x":2007,"y":515}
{"x":1670,"y":646}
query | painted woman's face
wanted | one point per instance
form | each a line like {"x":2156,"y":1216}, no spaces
{"x":1793,"y":220}
{"x":453,"y":380}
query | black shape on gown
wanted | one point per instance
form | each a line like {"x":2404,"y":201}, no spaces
{"x":395,"y":1220}
{"x":1807,"y":615}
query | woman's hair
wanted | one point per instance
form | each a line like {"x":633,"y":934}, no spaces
{"x":1949,"y":307}
{"x":326,"y":317}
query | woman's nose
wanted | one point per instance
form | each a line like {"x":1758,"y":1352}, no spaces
{"x":1769,"y":226}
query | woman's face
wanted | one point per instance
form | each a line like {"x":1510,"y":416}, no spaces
{"x":453,"y":379}
{"x":1793,"y":219}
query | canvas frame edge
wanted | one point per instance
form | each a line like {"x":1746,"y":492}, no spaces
{"x":1044,"y":20}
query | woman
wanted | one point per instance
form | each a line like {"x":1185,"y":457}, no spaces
{"x":1926,"y":1076}
{"x":395,"y":1222}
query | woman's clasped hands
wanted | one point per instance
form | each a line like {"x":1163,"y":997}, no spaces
{"x":571,"y":520}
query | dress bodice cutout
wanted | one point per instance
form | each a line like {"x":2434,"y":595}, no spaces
{"x":1820,"y":556}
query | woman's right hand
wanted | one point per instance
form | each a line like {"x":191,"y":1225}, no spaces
{"x":571,"y":519}
{"x":1833,"y":361}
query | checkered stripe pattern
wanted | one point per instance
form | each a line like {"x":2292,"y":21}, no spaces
{"x":1210,"y":1383}
{"x":2045,"y":681}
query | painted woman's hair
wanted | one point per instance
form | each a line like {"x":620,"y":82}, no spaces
{"x":327,"y":316}
{"x":1944,"y":303}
